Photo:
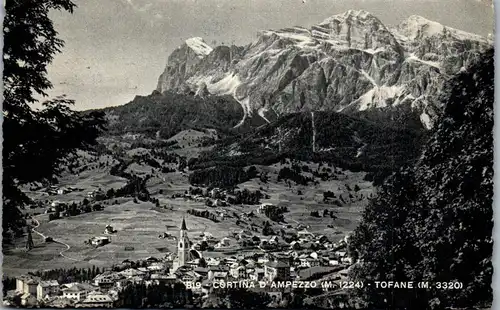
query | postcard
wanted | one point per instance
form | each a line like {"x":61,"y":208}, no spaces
{"x":220,"y":154}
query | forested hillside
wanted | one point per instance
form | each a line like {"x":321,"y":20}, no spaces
{"x":169,"y":113}
{"x":345,"y":141}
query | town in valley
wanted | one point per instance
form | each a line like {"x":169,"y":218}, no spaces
{"x":167,"y":231}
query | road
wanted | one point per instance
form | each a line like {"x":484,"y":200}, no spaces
{"x":54,"y":240}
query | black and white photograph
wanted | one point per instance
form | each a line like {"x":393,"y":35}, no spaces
{"x":248,"y":154}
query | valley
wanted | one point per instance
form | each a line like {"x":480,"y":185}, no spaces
{"x":139,"y":224}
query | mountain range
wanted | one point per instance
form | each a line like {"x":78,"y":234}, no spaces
{"x":350,"y":63}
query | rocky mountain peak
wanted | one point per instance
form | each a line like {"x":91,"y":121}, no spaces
{"x":418,"y":27}
{"x":356,"y":29}
{"x":349,"y":63}
{"x":361,"y":15}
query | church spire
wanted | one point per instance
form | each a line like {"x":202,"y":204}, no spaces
{"x":183,"y":247}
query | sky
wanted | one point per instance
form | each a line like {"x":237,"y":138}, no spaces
{"x":116,"y":49}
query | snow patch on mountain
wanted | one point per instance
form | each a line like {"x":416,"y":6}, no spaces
{"x":406,"y":98}
{"x":368,"y":77}
{"x":416,"y":27}
{"x":377,"y":97}
{"x":302,"y":39}
{"x":261,"y":112}
{"x":374,"y":51}
{"x":226,"y":86}
{"x":199,"y":46}
{"x":358,"y":14}
{"x":435,"y":64}
{"x":245,"y":104}
{"x":426,"y":120}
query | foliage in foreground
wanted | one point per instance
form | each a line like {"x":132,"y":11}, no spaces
{"x":35,"y":141}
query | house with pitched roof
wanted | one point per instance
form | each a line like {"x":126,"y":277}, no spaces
{"x":47,"y":289}
{"x":77,"y":291}
{"x":96,"y":300}
{"x":28,"y":300}
{"x":276,"y":270}
{"x":27,"y":284}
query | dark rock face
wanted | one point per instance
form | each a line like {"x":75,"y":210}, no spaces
{"x":348,"y":63}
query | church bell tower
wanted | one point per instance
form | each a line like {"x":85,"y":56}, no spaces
{"x":183,"y":245}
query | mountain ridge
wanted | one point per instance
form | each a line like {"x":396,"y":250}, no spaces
{"x":347,"y":63}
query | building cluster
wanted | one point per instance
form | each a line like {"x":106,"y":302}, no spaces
{"x":214,"y":197}
{"x":189,"y":267}
{"x":32,"y":291}
{"x":55,"y":190}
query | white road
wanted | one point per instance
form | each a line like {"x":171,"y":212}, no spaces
{"x":56,"y":241}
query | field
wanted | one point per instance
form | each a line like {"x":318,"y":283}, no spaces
{"x":137,"y":225}
{"x":301,"y":200}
